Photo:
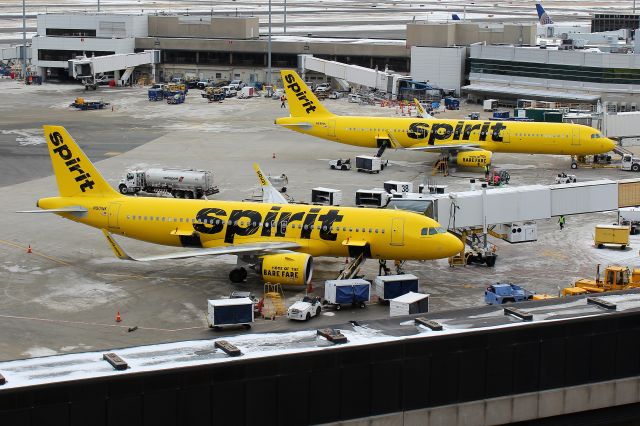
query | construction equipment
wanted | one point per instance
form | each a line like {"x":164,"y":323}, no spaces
{"x":612,"y":234}
{"x":615,"y":278}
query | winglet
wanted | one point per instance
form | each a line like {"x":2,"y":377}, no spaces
{"x":117,"y":250}
{"x":269,"y":193}
{"x":543,"y":16}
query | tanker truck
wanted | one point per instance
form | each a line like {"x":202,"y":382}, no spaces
{"x":181,"y":183}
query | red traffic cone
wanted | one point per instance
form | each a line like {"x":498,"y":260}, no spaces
{"x":118,"y":319}
{"x":29,"y":249}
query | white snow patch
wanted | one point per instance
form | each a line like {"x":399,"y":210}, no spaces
{"x":78,"y":294}
{"x":37,"y":351}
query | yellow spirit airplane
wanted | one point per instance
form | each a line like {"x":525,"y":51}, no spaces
{"x":466,"y":142}
{"x":278,"y":239}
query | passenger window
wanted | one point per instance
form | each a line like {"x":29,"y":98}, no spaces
{"x":344,"y":229}
{"x":163,"y":218}
{"x":357,"y":229}
{"x":370,"y":230}
{"x":168,"y":219}
{"x":350,"y":229}
{"x":382,"y":230}
{"x":376,"y":230}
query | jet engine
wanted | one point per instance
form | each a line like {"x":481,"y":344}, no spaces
{"x":287,"y":268}
{"x":473,"y":158}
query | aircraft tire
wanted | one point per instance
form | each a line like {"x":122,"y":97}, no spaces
{"x":574,"y":165}
{"x":123,"y":189}
{"x":236,"y":275}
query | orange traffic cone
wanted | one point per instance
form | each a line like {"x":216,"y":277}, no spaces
{"x":29,"y":249}
{"x":118,"y":319}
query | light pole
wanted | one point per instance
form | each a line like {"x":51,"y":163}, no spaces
{"x":23,"y":50}
{"x":269,"y":50}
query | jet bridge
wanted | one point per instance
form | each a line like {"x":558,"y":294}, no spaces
{"x":382,"y":81}
{"x":85,"y":68}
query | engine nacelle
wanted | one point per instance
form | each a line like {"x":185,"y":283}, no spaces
{"x":473,"y":158}
{"x":287,"y":268}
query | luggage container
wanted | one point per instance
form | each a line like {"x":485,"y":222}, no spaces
{"x":389,"y":287}
{"x":229,"y":312}
{"x":409,"y":304}
{"x":369,"y":164}
{"x":371,"y":198}
{"x":326,"y":196}
{"x":392,"y":186}
{"x":347,"y":292}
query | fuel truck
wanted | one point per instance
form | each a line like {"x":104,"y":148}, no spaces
{"x":181,"y":183}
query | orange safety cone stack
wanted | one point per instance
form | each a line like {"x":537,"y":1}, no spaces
{"x":29,"y":249}
{"x":118,"y":319}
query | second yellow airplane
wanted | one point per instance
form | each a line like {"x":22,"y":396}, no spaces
{"x":467,"y":142}
{"x":278,"y":239}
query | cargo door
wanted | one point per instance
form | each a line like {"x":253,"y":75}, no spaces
{"x":397,"y":232}
{"x":575,"y":140}
{"x":331,"y":129}
{"x":114,"y":211}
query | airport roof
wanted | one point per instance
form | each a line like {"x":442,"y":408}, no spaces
{"x":90,"y":365}
{"x":529,"y":93}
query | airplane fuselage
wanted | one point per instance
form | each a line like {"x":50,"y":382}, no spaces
{"x":495,"y":136}
{"x":318,"y":230}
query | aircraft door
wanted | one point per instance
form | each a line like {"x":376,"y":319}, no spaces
{"x":397,"y":232}
{"x":114,"y":211}
{"x":331,"y":130}
{"x":575,"y":136}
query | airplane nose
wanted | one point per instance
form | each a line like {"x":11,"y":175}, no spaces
{"x":451,"y":245}
{"x":610,"y":145}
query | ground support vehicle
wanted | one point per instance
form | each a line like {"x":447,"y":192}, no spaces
{"x":630,"y":216}
{"x":565,"y":178}
{"x":340,"y":164}
{"x":500,"y":293}
{"x":156,"y":94}
{"x":181,"y":183}
{"x":84,"y":105}
{"x":615,"y":278}
{"x":176,"y":98}
{"x":498,"y":177}
{"x":305,"y":309}
{"x":213,"y":94}
{"x":629,"y":162}
{"x":369,"y":164}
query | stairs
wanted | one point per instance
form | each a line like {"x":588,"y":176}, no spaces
{"x":352,"y":268}
{"x":273,"y":301}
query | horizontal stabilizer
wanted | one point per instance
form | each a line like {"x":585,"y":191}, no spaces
{"x":246,"y":249}
{"x":78,"y":211}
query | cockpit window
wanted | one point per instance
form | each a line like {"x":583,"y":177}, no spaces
{"x":432,"y":231}
{"x":596,"y":136}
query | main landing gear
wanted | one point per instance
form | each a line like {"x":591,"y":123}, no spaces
{"x":238,"y":275}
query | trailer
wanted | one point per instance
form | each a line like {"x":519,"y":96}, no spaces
{"x":372,"y":198}
{"x":409,"y":304}
{"x":326,"y":196}
{"x":630,"y":216}
{"x":181,"y":183}
{"x":612,"y":234}
{"x":392,"y":186}
{"x":389,"y":287}
{"x":230,"y":312}
{"x":369,"y":164}
{"x":347,"y":292}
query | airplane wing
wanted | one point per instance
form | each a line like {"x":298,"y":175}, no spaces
{"x":437,"y":148}
{"x":269,"y":193}
{"x":249,"y":248}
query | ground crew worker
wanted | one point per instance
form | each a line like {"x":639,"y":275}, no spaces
{"x":283,"y":98}
{"x":561,"y":222}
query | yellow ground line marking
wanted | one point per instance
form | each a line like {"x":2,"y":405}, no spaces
{"x":53,"y":259}
{"x":98,"y":324}
{"x":108,"y":274}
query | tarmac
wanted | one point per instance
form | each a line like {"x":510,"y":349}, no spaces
{"x":63,"y":297}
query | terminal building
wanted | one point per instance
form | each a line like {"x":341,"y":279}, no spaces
{"x":480,"y":61}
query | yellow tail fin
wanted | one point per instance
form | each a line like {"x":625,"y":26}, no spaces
{"x":75,"y":174}
{"x":302,"y":101}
